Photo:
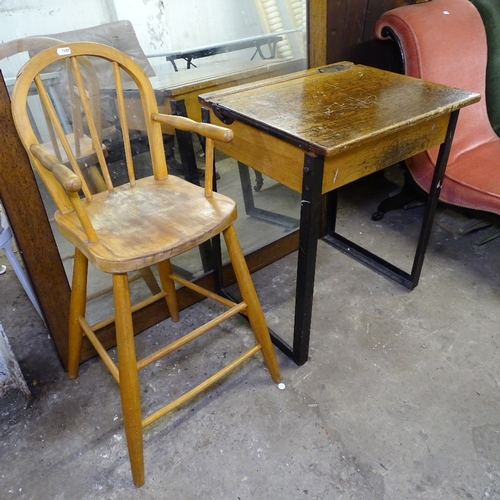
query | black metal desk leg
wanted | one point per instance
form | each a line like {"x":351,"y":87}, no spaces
{"x":185,"y":142}
{"x":430,"y":209}
{"x":260,"y":213}
{"x":310,"y":212}
{"x":409,"y":280}
{"x":332,"y":202}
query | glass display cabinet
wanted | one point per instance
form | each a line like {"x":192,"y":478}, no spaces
{"x":189,"y":50}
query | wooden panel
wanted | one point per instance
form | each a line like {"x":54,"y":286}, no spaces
{"x":350,"y":27}
{"x":279,"y":160}
{"x":317,"y":33}
{"x":345,"y":25}
{"x":354,"y":24}
{"x":383,"y":152}
{"x":336,"y":14}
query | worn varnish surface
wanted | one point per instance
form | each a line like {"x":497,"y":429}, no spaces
{"x":154,"y":221}
{"x":328,"y":112}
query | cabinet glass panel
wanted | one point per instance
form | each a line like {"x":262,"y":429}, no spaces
{"x":186,"y":48}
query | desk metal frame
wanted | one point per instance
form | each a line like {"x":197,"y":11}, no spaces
{"x":310,"y":214}
{"x":309,"y":227}
{"x":409,"y":280}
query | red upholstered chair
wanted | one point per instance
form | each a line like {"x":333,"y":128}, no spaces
{"x":444,"y":41}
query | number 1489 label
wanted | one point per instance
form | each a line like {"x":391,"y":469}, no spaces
{"x":63,"y":51}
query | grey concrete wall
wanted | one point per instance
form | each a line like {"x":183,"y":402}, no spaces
{"x":10,"y":373}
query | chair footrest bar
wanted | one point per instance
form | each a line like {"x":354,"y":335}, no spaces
{"x":89,"y":332}
{"x":160,"y":353}
{"x":202,"y":291}
{"x":149,"y":300}
{"x":201,"y":387}
{"x":106,"y":358}
{"x":134,"y":308}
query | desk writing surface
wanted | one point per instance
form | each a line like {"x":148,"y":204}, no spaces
{"x":220,"y":74}
{"x":332,"y":109}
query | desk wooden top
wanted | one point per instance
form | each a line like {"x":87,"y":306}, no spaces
{"x":331,"y":109}
{"x":220,"y":75}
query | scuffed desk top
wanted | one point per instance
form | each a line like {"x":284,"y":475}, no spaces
{"x":327,"y":110}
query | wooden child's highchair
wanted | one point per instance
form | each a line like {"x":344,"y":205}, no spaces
{"x":125,"y":228}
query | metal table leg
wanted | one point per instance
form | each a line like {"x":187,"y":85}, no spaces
{"x":260,"y":213}
{"x":310,"y":213}
{"x":308,"y":241}
{"x":186,"y":149}
{"x":409,"y":280}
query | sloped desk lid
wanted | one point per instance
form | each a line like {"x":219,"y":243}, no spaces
{"x":329,"y":109}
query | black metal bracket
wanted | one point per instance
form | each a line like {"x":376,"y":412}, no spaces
{"x":222,"y":115}
{"x":272,"y":50}
{"x":271,"y":40}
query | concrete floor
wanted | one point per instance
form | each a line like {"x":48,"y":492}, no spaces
{"x":399,"y":400}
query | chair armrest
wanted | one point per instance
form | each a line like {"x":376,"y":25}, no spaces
{"x":214,"y":132}
{"x":65,"y":176}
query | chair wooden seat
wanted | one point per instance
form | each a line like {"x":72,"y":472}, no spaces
{"x":145,"y":225}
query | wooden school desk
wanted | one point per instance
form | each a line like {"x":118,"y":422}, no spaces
{"x":319,"y":129}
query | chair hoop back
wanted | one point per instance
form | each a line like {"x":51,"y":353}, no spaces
{"x":75,"y":59}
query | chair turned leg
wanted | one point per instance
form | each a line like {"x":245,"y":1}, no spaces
{"x":77,"y":307}
{"x":168,"y":285}
{"x":128,"y":377}
{"x":254,"y":310}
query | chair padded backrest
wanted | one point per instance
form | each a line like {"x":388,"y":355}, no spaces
{"x":489,"y":11}
{"x":444,"y":41}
